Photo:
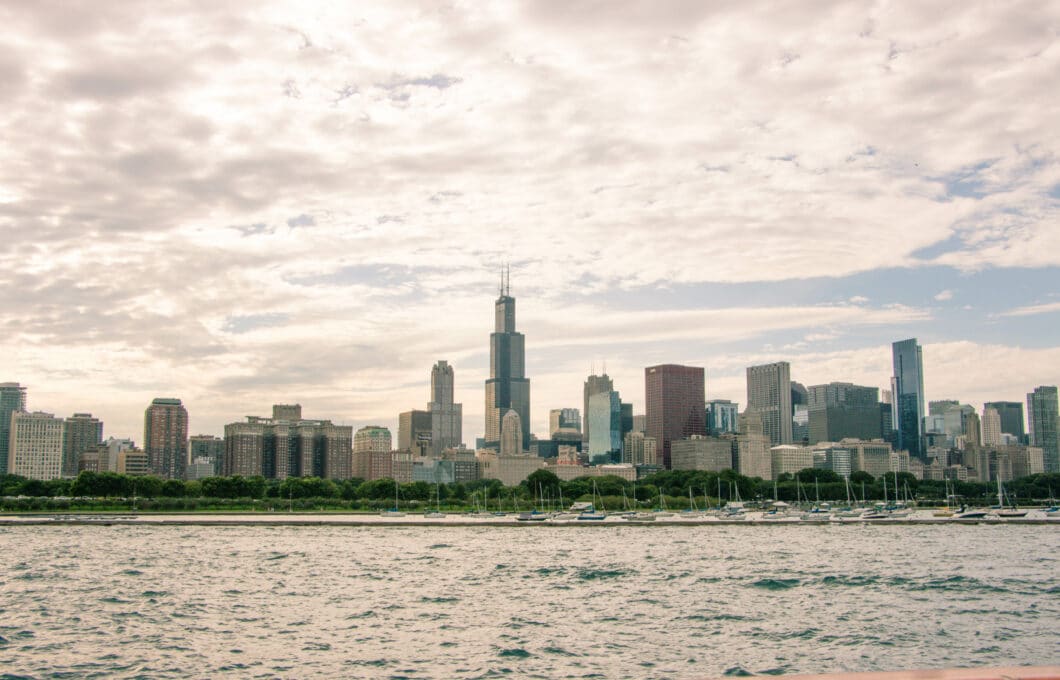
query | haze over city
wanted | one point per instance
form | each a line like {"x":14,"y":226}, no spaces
{"x":243,"y":207}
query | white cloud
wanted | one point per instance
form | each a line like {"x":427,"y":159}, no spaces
{"x":247,"y":204}
{"x":944,"y":295}
{"x":1032,"y":310}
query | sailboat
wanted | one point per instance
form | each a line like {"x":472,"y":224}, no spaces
{"x":1003,"y":512}
{"x":437,"y":512}
{"x":394,"y":511}
{"x":592,"y":513}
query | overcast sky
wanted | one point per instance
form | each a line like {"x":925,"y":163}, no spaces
{"x":299,"y":202}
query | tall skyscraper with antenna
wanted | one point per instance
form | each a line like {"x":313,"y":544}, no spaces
{"x":507,"y":387}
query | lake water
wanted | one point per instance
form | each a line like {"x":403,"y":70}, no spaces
{"x":548,"y":602}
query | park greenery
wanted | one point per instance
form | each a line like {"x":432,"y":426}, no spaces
{"x":673,"y":489}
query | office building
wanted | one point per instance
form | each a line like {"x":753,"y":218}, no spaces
{"x":638,"y":449}
{"x":12,"y":400}
{"x":769,"y":393}
{"x":166,"y":437}
{"x":594,"y":384}
{"x":991,"y":422}
{"x":278,"y":448}
{"x":447,"y":417}
{"x":753,"y":458}
{"x":674,"y":403}
{"x":36,"y":445}
{"x":1011,"y":413}
{"x":414,"y":432}
{"x":507,"y":387}
{"x":907,"y":386}
{"x":564,"y":419}
{"x":604,"y":417}
{"x":789,"y":459}
{"x":701,"y":452}
{"x":843,"y":410}
{"x":511,"y":434}
{"x":81,"y":433}
{"x":1043,"y":417}
{"x":721,"y":416}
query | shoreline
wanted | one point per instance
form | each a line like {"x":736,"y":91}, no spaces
{"x":368,"y":520}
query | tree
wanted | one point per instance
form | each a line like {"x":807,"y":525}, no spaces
{"x":811,"y":475}
{"x":859,"y":476}
{"x":542,"y":482}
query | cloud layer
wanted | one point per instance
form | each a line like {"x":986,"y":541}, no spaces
{"x":247,"y":205}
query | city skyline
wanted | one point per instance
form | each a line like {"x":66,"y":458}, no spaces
{"x":243,"y":208}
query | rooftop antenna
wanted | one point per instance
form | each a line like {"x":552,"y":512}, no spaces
{"x":605,"y":366}
{"x":508,"y":279}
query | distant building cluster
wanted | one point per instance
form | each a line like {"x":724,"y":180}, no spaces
{"x":785,"y":427}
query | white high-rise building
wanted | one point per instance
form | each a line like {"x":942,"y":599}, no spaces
{"x":769,"y":393}
{"x":991,"y":427}
{"x":36,"y":448}
{"x":511,"y":434}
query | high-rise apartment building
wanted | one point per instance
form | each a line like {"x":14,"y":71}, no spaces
{"x":278,"y":448}
{"x":81,"y":433}
{"x":166,"y":437}
{"x":507,"y":387}
{"x":843,"y":410}
{"x":753,"y":458}
{"x":1043,"y":418}
{"x":447,"y":417}
{"x":1011,"y":413}
{"x":208,"y":448}
{"x":372,"y":438}
{"x":36,"y":449}
{"x":769,"y":393}
{"x":12,"y":399}
{"x":673,"y":396}
{"x":907,"y":387}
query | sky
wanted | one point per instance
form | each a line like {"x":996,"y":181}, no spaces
{"x":310,"y":202}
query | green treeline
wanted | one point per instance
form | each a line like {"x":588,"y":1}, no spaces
{"x":672,"y":489}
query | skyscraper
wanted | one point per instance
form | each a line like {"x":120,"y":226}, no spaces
{"x":81,"y":433}
{"x":674,"y":404}
{"x":414,"y":432}
{"x":166,"y":437}
{"x":1011,"y":413}
{"x":907,"y":387}
{"x":511,"y":434}
{"x":12,"y":400}
{"x":594,"y":384}
{"x":769,"y":393}
{"x":605,"y":425}
{"x":843,"y":410}
{"x":560,"y":418}
{"x":446,"y":417}
{"x":1043,"y":415}
{"x":721,"y":416}
{"x":507,"y":387}
{"x":991,"y":422}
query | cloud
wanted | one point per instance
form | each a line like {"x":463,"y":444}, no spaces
{"x":1032,"y":310}
{"x":944,"y":295}
{"x":688,"y":185}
